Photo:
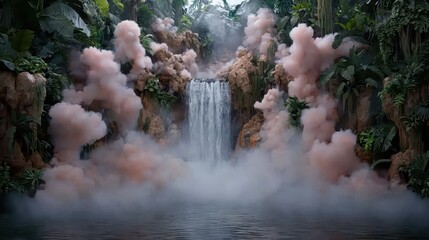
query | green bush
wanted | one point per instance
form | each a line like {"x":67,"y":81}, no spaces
{"x":378,"y":139}
{"x":155,"y":91}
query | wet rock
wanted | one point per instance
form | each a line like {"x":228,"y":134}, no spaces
{"x":24,"y":95}
{"x":36,"y":161}
{"x":249,"y":135}
{"x":156,"y":127}
{"x":363,"y":106}
{"x":142,"y":79}
{"x":363,"y":155}
{"x":239,"y":74}
{"x":398,"y":160}
{"x":7,"y":89}
{"x":17,"y":161}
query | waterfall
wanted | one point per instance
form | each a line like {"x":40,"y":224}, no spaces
{"x":209,"y":119}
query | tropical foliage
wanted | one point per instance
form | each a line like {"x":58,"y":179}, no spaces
{"x":378,"y":139}
{"x":350,"y":74}
{"x":295,"y":107}
{"x":154,"y":89}
{"x":395,"y":33}
{"x":417,"y":174}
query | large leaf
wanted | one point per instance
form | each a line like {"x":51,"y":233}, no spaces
{"x":6,"y":50}
{"x":22,"y":39}
{"x":375,"y":163}
{"x":389,"y":138}
{"x":371,"y":82}
{"x":57,"y":23}
{"x":377,"y":71}
{"x":119,"y":4}
{"x":348,"y":73}
{"x":9,"y":65}
{"x":327,"y":75}
{"x":103,"y":5}
{"x":54,"y":15}
{"x":340,"y":89}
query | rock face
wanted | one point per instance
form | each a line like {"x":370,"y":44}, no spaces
{"x":240,"y":73}
{"x":169,"y":68}
{"x":142,"y":79}
{"x":363,"y":109}
{"x":249,"y":134}
{"x":21,"y":96}
{"x":156,"y":127}
{"x":398,"y":160}
{"x":363,"y":155}
{"x":179,"y":43}
{"x":281,"y":78}
{"x":410,"y":140}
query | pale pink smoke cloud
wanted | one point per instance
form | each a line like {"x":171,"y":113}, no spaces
{"x":330,"y":153}
{"x":275,"y":125}
{"x":128,"y":47}
{"x":185,"y":74}
{"x":189,"y":58}
{"x":65,"y":182}
{"x":335,"y":159}
{"x":164,"y":25}
{"x":282,"y":51}
{"x":319,"y":121}
{"x":107,"y":85}
{"x":260,"y":30}
{"x":71,"y":127}
{"x":156,"y":47}
{"x":308,"y":58}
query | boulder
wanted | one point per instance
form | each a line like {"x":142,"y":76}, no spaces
{"x":249,"y":135}
{"x":399,"y":159}
{"x":36,"y":161}
{"x":156,"y":127}
{"x":239,"y":74}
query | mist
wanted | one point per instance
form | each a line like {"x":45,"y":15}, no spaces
{"x":310,"y":170}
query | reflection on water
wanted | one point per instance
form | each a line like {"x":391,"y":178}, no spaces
{"x":208,"y":222}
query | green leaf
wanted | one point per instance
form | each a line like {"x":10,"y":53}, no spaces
{"x":119,"y":4}
{"x":377,"y":71}
{"x":54,"y":15}
{"x":371,"y":82}
{"x":8,"y":65}
{"x":103,"y":5}
{"x":327,"y":75}
{"x":10,"y":136}
{"x":21,"y":40}
{"x":375,"y":163}
{"x":389,"y":138}
{"x":348,"y":73}
{"x":57,"y":23}
{"x":340,"y":89}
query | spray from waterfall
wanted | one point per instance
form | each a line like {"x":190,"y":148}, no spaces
{"x":291,"y":170}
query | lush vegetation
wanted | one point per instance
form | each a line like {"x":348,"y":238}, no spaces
{"x":395,"y":31}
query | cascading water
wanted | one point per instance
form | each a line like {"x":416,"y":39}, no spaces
{"x":209,"y":118}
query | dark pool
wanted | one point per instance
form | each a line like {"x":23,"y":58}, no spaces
{"x":208,"y":221}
